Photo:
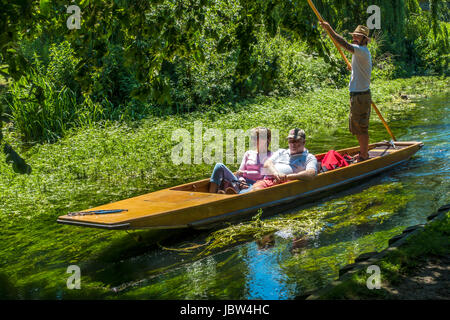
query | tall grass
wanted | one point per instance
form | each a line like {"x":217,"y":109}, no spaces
{"x":46,"y":103}
{"x":40,"y":111}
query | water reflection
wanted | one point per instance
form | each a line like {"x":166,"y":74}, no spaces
{"x":299,"y":244}
{"x":266,"y":242}
{"x":266,"y":279}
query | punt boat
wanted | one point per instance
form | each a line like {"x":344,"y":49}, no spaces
{"x":192,"y":206}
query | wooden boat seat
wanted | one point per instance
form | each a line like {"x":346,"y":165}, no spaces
{"x":379,"y":152}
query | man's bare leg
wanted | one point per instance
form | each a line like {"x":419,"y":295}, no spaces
{"x":363,"y":140}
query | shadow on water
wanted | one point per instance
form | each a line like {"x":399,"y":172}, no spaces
{"x":141,"y":254}
{"x":8,"y":289}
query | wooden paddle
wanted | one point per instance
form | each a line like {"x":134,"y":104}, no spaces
{"x":313,"y":7}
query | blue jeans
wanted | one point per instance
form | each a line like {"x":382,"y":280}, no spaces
{"x":221,"y":172}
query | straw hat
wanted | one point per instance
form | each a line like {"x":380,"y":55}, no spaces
{"x":361,"y":30}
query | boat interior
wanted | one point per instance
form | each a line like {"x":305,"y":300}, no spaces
{"x":375,"y":150}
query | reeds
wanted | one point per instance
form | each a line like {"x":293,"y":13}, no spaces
{"x":39,"y":111}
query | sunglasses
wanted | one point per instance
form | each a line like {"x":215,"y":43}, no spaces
{"x":294,"y":141}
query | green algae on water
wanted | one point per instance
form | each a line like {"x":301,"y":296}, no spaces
{"x":257,"y":228}
{"x":329,"y":259}
{"x":374,"y":205}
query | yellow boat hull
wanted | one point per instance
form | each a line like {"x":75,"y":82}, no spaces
{"x":190,"y":205}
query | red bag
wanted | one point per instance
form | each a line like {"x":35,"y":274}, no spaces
{"x":333,"y":160}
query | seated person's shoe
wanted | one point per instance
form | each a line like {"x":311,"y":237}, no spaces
{"x":230,"y":190}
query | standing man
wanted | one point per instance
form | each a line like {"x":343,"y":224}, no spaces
{"x":360,"y":97}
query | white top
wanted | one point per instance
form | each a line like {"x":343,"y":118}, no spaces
{"x":361,"y":69}
{"x":287,"y":164}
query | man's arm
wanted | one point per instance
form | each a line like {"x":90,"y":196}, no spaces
{"x":273,"y":171}
{"x":306,"y":175}
{"x":339,"y":39}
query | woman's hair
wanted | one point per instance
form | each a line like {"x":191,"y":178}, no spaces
{"x":264,"y":132}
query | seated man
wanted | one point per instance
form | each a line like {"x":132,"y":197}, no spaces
{"x":295,"y":163}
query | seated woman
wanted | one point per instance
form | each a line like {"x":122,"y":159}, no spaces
{"x":250,"y":169}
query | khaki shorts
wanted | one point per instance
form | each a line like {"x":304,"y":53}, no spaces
{"x":359,"y":114}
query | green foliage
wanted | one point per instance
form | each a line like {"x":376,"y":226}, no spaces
{"x":286,"y":67}
{"x":133,"y":58}
{"x":433,"y":241}
{"x":406,"y":44}
{"x":429,"y":53}
{"x":48,"y":102}
{"x":113,"y":81}
{"x":42,"y":105}
{"x":383,"y":63}
{"x":18,"y":164}
{"x":280,"y":67}
{"x":61,"y":68}
{"x":39,"y":110}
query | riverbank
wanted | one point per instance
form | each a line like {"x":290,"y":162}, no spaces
{"x":418,"y":268}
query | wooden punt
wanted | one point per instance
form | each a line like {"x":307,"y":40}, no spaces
{"x":190,"y":205}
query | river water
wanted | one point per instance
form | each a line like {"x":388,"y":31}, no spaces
{"x":281,"y":264}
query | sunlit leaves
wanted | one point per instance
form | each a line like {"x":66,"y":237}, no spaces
{"x":45,"y":7}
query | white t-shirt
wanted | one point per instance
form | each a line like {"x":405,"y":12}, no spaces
{"x":361,"y":69}
{"x":287,"y":164}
